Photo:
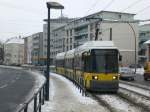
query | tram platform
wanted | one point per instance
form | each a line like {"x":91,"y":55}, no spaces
{"x":65,"y":97}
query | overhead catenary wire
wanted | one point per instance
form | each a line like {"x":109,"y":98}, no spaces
{"x":93,"y":6}
{"x":18,"y":7}
{"x":132,"y":5}
{"x":140,"y":11}
{"x":108,"y":5}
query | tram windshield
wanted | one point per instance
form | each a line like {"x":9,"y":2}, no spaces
{"x":102,"y":61}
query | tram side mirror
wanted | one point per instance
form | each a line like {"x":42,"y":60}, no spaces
{"x":120,"y":58}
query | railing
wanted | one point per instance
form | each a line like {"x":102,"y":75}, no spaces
{"x":35,"y":102}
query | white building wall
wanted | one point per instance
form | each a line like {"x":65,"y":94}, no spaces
{"x":29,"y":50}
{"x":14,"y":54}
{"x":124,"y":38}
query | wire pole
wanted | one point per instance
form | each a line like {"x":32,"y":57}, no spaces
{"x":135,"y":43}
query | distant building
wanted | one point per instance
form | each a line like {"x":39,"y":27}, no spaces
{"x":79,"y":31}
{"x":144,"y":35}
{"x":1,"y":53}
{"x":14,"y":54}
{"x":33,"y":49}
{"x":147,"y":50}
{"x":55,"y":23}
{"x":28,"y":50}
{"x":37,"y":49}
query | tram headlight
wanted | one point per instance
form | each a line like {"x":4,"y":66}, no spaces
{"x":95,"y":77}
{"x":114,"y":77}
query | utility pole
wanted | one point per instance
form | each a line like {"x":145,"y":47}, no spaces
{"x":96,"y":31}
{"x":96,"y":26}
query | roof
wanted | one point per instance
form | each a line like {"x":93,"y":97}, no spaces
{"x":70,"y":53}
{"x":118,"y":12}
{"x":100,"y":13}
{"x":95,"y":45}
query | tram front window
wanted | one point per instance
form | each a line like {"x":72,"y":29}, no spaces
{"x":105,"y":61}
{"x":102,"y":61}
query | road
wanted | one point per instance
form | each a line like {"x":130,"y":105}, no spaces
{"x":15,"y":86}
{"x":140,"y":80}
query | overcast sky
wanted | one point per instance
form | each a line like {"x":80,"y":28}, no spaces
{"x":25,"y":17}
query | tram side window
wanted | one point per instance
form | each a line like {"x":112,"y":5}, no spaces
{"x":87,"y":64}
{"x":60,"y":63}
{"x":68,"y":63}
{"x":78,"y":63}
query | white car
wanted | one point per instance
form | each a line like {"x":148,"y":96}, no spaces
{"x":126,"y":73}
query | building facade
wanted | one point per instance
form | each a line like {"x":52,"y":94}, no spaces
{"x":54,"y":24}
{"x":1,"y":53}
{"x":14,"y":54}
{"x":144,"y":35}
{"x":76,"y":32}
{"x":37,"y":49}
{"x":28,"y":50}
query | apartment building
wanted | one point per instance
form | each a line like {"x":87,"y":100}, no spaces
{"x":28,"y":50}
{"x":147,"y":50}
{"x":77,"y":32}
{"x":14,"y":54}
{"x":1,"y":53}
{"x":144,"y":35}
{"x":55,"y":23}
{"x":37,"y":49}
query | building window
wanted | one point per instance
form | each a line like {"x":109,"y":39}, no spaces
{"x":70,"y":47}
{"x":67,"y":33}
{"x":70,"y":40}
{"x":119,"y":16}
{"x":70,"y":32}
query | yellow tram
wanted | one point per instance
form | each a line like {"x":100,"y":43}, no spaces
{"x":93,"y":65}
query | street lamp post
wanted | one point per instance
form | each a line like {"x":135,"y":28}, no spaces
{"x":50,"y":5}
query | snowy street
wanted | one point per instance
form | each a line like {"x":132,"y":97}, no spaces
{"x":65,"y":97}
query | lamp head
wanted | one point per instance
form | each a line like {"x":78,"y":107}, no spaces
{"x":54,"y":5}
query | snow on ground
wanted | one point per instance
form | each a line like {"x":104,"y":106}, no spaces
{"x":49,"y":106}
{"x":136,"y":98}
{"x":39,"y":81}
{"x":76,"y":91}
{"x":136,"y":89}
{"x":65,"y":97}
{"x":139,"y":71}
{"x":11,"y":67}
{"x":118,"y":104}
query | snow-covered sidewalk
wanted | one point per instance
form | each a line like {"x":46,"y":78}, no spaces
{"x":65,"y":97}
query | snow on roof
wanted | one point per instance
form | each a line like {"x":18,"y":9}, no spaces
{"x":19,"y":41}
{"x":70,"y":53}
{"x":85,"y":47}
{"x":99,"y":44}
{"x":95,"y":45}
{"x":147,"y":42}
{"x":60,"y":55}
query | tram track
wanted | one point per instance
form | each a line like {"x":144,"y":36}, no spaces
{"x":116,"y":103}
{"x":135,"y":93}
{"x":130,"y":98}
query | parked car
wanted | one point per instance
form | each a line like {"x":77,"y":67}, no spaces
{"x":126,"y":73}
